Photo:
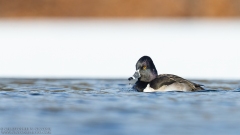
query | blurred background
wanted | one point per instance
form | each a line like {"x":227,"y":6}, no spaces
{"x":196,"y":39}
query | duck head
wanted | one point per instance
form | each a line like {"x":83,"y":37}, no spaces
{"x":145,"y":70}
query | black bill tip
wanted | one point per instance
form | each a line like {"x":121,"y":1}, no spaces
{"x":130,"y":78}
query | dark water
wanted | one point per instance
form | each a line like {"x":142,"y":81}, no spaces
{"x":105,"y":106}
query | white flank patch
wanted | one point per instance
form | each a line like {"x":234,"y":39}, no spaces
{"x":173,"y":87}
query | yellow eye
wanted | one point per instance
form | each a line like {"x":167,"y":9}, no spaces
{"x":144,"y":67}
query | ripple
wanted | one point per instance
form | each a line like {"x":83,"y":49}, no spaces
{"x":7,"y":89}
{"x":94,"y":105}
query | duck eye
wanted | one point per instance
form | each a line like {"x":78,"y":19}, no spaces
{"x":144,"y":67}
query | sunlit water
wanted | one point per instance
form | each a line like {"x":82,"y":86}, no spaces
{"x":105,"y":106}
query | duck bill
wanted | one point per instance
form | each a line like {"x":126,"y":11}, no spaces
{"x":136,"y":75}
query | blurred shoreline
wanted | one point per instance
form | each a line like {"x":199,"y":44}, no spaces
{"x":120,"y":8}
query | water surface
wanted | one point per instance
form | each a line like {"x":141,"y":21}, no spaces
{"x":110,"y":106}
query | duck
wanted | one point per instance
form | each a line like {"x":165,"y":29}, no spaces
{"x":148,"y":79}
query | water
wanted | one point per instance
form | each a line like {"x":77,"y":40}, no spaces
{"x":106,"y":106}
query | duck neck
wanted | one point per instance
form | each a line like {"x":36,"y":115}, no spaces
{"x":140,"y":85}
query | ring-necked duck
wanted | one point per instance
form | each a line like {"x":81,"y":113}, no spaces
{"x":150,"y":81}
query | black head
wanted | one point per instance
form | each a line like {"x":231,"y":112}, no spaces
{"x":145,"y":69}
